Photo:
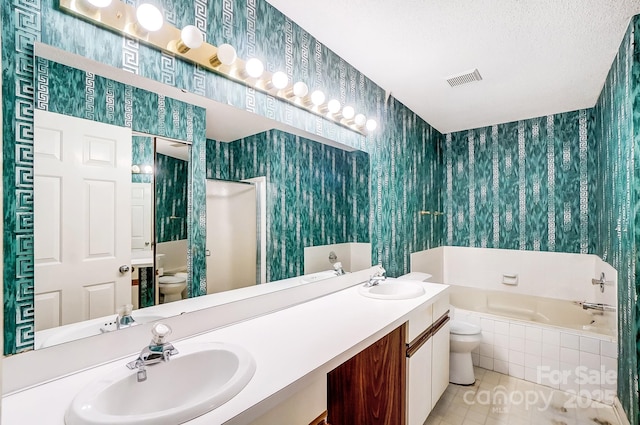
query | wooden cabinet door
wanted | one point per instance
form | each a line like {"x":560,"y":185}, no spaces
{"x":370,"y":387}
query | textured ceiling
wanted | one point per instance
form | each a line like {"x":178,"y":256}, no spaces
{"x":536,"y":57}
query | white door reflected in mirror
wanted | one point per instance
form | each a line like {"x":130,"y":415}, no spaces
{"x":82,"y":219}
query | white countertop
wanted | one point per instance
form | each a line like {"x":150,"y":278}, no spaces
{"x":291,"y":347}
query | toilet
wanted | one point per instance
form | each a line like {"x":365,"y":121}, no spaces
{"x":171,"y":287}
{"x":464,"y":337}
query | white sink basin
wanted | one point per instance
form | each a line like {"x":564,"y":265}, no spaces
{"x":392,"y":289}
{"x":195,"y":381}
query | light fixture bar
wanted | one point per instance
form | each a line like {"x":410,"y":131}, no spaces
{"x":121,"y":18}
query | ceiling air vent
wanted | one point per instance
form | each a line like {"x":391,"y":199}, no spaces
{"x":464,"y":78}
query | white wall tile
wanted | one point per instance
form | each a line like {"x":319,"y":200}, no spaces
{"x":549,"y":365}
{"x":516,"y":357}
{"x":501,"y":366}
{"x":571,"y":382}
{"x":486,"y":324}
{"x":550,"y":337}
{"x":501,"y":353}
{"x":533,"y":347}
{"x":501,"y":340}
{"x":500,"y":327}
{"x":531,"y":374}
{"x":487,"y":337}
{"x":533,"y":333}
{"x":591,"y":361}
{"x":569,"y":356}
{"x":486,"y":350}
{"x":516,"y":343}
{"x":532,"y":361}
{"x":517,"y":331}
{"x":486,"y":362}
{"x":590,"y":345}
{"x":551,"y":351}
{"x":568,"y":340}
{"x":609,"y":379}
{"x":609,"y":349}
{"x":516,"y":370}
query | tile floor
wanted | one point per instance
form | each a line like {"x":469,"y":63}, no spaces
{"x":500,"y":399}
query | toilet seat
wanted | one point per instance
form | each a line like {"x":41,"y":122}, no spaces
{"x":171,"y":279}
{"x":458,"y":327}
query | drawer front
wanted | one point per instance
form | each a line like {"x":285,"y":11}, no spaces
{"x":419,"y":321}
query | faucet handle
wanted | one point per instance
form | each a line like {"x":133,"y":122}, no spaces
{"x":160,"y":331}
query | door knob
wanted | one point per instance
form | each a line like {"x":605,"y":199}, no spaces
{"x":124,"y":269}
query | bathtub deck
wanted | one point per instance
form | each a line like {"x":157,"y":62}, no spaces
{"x":500,"y":399}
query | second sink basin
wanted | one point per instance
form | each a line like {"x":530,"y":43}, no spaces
{"x":393,"y":289}
{"x":200,"y":378}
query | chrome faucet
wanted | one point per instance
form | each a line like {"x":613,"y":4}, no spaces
{"x":600,"y":282}
{"x":377,"y":277}
{"x":157,"y":351}
{"x":124,"y":319}
{"x":337,"y":266}
{"x":597,"y":306}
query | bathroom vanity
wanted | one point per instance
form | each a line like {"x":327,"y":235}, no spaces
{"x":294,"y":349}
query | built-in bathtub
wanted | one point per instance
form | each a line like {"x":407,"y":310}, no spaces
{"x":549,"y":341}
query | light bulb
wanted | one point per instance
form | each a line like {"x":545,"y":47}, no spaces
{"x":371,"y":124}
{"x":300,"y":89}
{"x":279,"y":80}
{"x":147,"y":169}
{"x":135,"y":169}
{"x":348,"y":112}
{"x":99,"y":3}
{"x":317,"y":97}
{"x":149,"y":17}
{"x":360,"y":120}
{"x":254,"y":68}
{"x":333,"y":106}
{"x":190,"y":38}
{"x":226,"y":55}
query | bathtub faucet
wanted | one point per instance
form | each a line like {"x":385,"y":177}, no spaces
{"x":597,"y":306}
{"x":157,"y":351}
{"x":600,"y":282}
{"x":377,"y":277}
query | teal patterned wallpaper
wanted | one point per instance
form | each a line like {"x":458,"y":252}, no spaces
{"x":172,"y":176}
{"x":617,"y":197}
{"x":316,"y":194}
{"x":522,"y":185}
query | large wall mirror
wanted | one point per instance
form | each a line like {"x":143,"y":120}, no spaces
{"x":281,"y":204}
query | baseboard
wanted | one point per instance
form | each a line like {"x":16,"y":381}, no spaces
{"x":622,"y":416}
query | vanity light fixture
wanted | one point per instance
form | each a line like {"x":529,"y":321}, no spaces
{"x":299,"y":90}
{"x":254,"y":68}
{"x":225,"y":55}
{"x":360,"y":120}
{"x":190,"y":38}
{"x":279,"y":80}
{"x":333,"y":106}
{"x":149,"y":16}
{"x":348,"y":112}
{"x":317,"y":97}
{"x":141,"y":169}
{"x":145,"y":23}
{"x":371,"y":124}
